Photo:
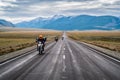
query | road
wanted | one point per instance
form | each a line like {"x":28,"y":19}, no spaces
{"x":64,"y":60}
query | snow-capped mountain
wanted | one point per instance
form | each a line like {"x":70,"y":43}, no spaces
{"x":81,"y":22}
{"x":56,"y":17}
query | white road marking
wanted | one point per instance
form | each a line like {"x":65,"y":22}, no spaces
{"x":110,"y":57}
{"x":17,"y":65}
{"x":22,"y":55}
{"x":64,"y":66}
{"x":63,"y":56}
{"x":101,"y":54}
{"x":104,"y":54}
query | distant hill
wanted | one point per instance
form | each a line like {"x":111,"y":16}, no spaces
{"x":4,"y":23}
{"x":81,"y":22}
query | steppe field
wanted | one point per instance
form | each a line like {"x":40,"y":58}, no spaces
{"x":105,"y":39}
{"x":15,"y":40}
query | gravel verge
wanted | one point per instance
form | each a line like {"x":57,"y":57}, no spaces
{"x":106,"y":51}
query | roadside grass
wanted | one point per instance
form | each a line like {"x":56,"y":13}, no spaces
{"x":109,"y":39}
{"x":12,"y":41}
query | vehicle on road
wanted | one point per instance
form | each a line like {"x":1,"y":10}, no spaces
{"x":62,"y":38}
{"x":41,"y":43}
{"x":56,"y":38}
{"x":40,"y":47}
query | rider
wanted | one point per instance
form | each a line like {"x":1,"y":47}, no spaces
{"x":42,"y":40}
{"x":62,"y":37}
{"x":56,"y":38}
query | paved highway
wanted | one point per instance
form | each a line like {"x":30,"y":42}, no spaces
{"x":64,"y":60}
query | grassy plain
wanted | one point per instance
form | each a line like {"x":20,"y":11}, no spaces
{"x":15,"y":40}
{"x":105,"y":39}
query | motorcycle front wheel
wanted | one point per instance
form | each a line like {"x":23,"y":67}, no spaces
{"x":40,"y":50}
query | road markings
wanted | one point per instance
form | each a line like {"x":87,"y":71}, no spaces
{"x":22,"y":56}
{"x":110,"y":57}
{"x":64,"y":66}
{"x":103,"y":54}
{"x":63,"y":56}
{"x":21,"y":63}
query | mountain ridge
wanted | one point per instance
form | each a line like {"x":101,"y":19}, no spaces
{"x":6,"y":23}
{"x":80,"y":22}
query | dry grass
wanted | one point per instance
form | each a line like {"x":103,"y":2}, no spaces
{"x":109,"y":40}
{"x":12,"y":41}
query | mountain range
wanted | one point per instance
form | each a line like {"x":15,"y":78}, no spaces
{"x":81,"y":22}
{"x":4,"y":23}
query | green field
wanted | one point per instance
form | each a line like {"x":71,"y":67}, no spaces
{"x":108,"y":39}
{"x":16,"y":40}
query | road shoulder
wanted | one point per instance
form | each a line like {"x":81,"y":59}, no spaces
{"x":15,"y":54}
{"x":105,"y":51}
{"x":11,"y":55}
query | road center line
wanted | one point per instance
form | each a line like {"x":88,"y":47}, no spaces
{"x":63,"y":56}
{"x":64,"y":66}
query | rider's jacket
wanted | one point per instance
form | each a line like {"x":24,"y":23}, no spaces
{"x":41,"y":40}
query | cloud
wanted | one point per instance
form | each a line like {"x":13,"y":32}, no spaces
{"x":20,"y":10}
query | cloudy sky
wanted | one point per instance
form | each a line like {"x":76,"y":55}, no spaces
{"x":20,"y":10}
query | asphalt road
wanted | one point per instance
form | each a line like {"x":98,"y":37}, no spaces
{"x":64,"y":60}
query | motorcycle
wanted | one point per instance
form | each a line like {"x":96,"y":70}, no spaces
{"x":40,"y":47}
{"x":56,"y":39}
{"x":62,"y":38}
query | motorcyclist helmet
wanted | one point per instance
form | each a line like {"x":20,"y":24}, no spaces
{"x":40,"y":36}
